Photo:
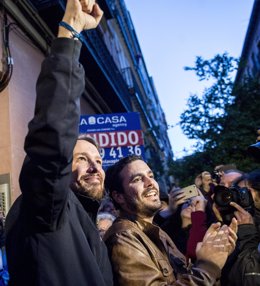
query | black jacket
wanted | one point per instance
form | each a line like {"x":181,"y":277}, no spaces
{"x":51,"y":239}
{"x":244,"y":270}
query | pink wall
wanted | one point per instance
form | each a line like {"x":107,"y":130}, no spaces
{"x":17,"y":106}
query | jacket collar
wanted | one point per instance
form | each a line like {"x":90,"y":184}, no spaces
{"x":148,"y":228}
{"x":91,"y":206}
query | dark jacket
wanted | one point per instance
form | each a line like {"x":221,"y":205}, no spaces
{"x":245,"y":269}
{"x":51,"y":239}
{"x":142,"y":254}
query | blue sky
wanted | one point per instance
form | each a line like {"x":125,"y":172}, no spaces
{"x":172,"y":33}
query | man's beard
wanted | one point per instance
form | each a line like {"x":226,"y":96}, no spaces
{"x":150,"y":211}
{"x":94,"y":191}
{"x":143,"y":209}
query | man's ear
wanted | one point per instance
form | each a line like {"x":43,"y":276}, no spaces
{"x":118,"y":197}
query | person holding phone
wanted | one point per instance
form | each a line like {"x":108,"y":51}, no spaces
{"x":188,"y":225}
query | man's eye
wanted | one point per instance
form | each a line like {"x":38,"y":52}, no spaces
{"x":82,"y":158}
{"x":136,"y":179}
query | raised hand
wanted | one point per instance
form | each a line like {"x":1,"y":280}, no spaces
{"x":242,"y":216}
{"x":81,"y":15}
{"x":176,"y":198}
{"x":198,"y":203}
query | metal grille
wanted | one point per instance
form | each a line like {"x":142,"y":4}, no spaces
{"x":5,"y":198}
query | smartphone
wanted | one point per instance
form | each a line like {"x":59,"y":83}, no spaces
{"x":190,"y":191}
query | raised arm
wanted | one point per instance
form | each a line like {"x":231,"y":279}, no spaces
{"x":198,"y":225}
{"x":53,"y":131}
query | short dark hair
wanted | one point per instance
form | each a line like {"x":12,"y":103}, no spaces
{"x":113,"y":181}
{"x":89,"y":139}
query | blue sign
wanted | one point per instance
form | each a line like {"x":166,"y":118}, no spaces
{"x":118,"y":134}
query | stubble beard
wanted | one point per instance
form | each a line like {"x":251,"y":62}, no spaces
{"x":146,"y":210}
{"x":150,"y":211}
{"x":94,"y":191}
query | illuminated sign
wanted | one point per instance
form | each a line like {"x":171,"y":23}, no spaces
{"x":118,"y":134}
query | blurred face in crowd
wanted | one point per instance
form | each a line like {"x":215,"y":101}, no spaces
{"x":103,"y":225}
{"x":206,"y":181}
{"x":186,"y":210}
{"x":87,"y":173}
{"x":140,"y":194}
{"x":229,"y":178}
{"x":108,"y":206}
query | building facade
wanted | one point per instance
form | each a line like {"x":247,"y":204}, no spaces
{"x":250,"y":57}
{"x":117,"y":81}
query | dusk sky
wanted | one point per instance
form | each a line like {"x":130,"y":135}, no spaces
{"x":172,"y":33}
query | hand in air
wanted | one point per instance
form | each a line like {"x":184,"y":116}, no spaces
{"x":242,"y":216}
{"x":82,"y":15}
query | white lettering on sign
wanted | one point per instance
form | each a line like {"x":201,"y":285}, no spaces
{"x":120,"y":138}
{"x":103,"y":120}
{"x":133,"y":138}
{"x":83,"y":121}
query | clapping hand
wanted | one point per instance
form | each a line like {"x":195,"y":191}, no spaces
{"x":218,"y":242}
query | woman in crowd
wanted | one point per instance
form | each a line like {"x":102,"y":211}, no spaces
{"x":188,"y":224}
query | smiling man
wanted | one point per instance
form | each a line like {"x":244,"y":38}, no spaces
{"x":137,"y":200}
{"x":87,"y":181}
{"x":87,"y":173}
{"x":141,"y":253}
{"x":50,"y":237}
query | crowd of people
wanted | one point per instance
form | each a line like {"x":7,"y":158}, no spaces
{"x":66,"y":230}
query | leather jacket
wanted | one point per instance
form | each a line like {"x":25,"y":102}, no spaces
{"x":244,"y":269}
{"x":142,"y":254}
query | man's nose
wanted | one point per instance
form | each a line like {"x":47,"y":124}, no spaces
{"x":92,"y":167}
{"x":148,"y":181}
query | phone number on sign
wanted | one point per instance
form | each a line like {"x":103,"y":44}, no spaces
{"x":120,"y":152}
